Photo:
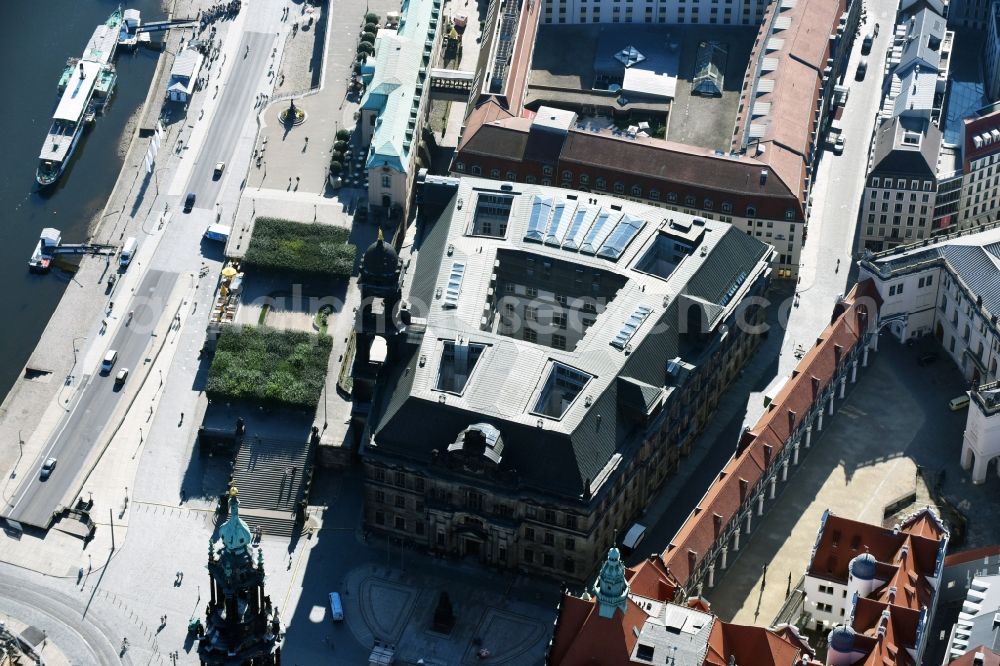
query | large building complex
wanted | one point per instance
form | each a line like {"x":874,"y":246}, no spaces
{"x":632,"y":616}
{"x":395,"y":106}
{"x":632,"y":620}
{"x":980,"y":194}
{"x":712,"y":534}
{"x":560,"y":351}
{"x":899,"y":204}
{"x":761,"y":186}
{"x":878,"y":585}
{"x":946,"y":287}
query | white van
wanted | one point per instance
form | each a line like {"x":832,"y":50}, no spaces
{"x":961,"y":402}
{"x":109,"y":361}
{"x":336,"y":607}
{"x":128,"y":251}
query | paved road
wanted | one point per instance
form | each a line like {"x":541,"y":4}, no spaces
{"x":238,"y":96}
{"x":35,"y":499}
{"x":84,"y":641}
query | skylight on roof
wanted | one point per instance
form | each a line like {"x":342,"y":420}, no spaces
{"x":629,"y":56}
{"x":454,"y":287}
{"x":562,"y":215}
{"x":602,"y":227}
{"x":733,"y":288}
{"x":540,"y":208}
{"x":630,"y":326}
{"x":618,"y":240}
{"x":578,"y":228}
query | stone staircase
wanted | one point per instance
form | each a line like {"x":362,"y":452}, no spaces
{"x":271,"y":475}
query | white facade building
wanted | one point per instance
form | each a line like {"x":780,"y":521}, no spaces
{"x":981,"y":443}
{"x":184,"y":76}
{"x":948,"y":287}
{"x":860,"y":576}
{"x":396,"y":102}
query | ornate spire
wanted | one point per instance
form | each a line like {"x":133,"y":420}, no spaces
{"x":611,"y":588}
{"x":234,"y":532}
{"x":380,"y":237}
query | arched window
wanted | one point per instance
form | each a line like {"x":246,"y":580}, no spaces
{"x":751,"y":211}
{"x":636,"y":191}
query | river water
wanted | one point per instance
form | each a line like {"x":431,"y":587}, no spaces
{"x":36,"y":38}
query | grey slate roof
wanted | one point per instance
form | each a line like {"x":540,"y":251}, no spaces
{"x":925,"y":33}
{"x":974,"y":258}
{"x":894,"y":156}
{"x":563,"y":456}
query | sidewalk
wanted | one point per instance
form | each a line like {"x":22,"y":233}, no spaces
{"x":327,"y":108}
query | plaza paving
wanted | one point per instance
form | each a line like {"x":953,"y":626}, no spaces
{"x":894,"y":419}
{"x":390,"y":593}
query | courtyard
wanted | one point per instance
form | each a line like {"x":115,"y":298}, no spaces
{"x":567,"y":76}
{"x":894,"y":422}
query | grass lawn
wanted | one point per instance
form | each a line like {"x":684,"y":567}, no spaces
{"x":259,"y":364}
{"x":295,"y":247}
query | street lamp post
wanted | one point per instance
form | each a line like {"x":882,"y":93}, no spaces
{"x":75,"y":350}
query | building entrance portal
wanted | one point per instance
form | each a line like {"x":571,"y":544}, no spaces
{"x":472,"y":548}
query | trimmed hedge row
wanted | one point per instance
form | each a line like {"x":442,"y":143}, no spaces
{"x":265,"y":365}
{"x":283,"y":245}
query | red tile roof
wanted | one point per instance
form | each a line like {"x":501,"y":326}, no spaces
{"x":524,"y":47}
{"x":967,"y":556}
{"x":990,"y":658}
{"x":900,"y":632}
{"x":584,"y":638}
{"x":797,"y":76}
{"x":905,"y":559}
{"x":763,"y":442}
{"x":972,"y":127}
{"x":748,"y":645}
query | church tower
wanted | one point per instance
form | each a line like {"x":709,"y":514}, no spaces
{"x":241,"y":626}
{"x":611,"y":588}
{"x":380,"y":294}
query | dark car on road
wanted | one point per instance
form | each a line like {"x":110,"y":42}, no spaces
{"x":47,"y":467}
{"x":189,"y":202}
{"x":859,"y":75}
